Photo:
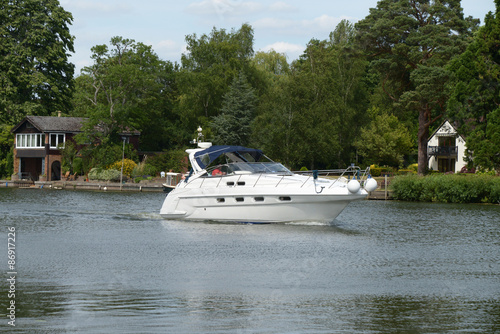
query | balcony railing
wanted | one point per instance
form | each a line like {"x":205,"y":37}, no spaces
{"x":442,"y":150}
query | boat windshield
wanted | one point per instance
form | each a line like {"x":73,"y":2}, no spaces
{"x":259,"y":167}
{"x":248,"y":168}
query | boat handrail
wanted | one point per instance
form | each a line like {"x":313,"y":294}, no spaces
{"x":356,"y":172}
{"x":352,"y":172}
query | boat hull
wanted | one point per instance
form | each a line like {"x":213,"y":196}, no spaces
{"x":256,"y":207}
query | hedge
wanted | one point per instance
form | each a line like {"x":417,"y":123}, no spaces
{"x":104,"y":174}
{"x":451,"y":188}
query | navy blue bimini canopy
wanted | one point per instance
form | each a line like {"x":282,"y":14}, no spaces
{"x":205,"y":157}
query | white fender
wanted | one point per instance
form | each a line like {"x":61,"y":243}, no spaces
{"x":353,"y":186}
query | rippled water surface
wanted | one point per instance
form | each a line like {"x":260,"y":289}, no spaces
{"x":97,"y":262}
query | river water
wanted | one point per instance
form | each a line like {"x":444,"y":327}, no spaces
{"x":101,"y":262}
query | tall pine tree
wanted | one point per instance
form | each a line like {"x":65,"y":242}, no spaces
{"x":410,"y":42}
{"x":475,"y":98}
{"x":233,"y":125}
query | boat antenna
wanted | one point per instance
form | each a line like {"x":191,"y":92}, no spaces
{"x":200,"y":136}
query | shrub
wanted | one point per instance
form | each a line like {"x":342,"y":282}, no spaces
{"x":494,"y":196}
{"x":375,"y":172}
{"x":95,"y":173}
{"x":104,"y":174}
{"x":380,"y":171}
{"x":143,"y":169}
{"x":406,"y":171}
{"x":170,"y":160}
{"x":413,"y":167}
{"x":128,"y":166}
{"x":407,"y":188}
{"x":447,"y":188}
{"x":78,"y":166}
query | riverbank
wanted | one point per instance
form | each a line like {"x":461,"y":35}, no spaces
{"x":149,"y":186}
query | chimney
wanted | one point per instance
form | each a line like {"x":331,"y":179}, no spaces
{"x":58,"y":114}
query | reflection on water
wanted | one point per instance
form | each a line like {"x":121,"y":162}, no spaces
{"x":95,"y":262}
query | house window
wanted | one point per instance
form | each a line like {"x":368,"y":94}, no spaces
{"x":29,"y":140}
{"x":446,"y":141}
{"x":57,"y":140}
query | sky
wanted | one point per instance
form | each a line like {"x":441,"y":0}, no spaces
{"x":285,"y":26}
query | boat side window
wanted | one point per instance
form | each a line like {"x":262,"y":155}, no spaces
{"x":285,"y":198}
{"x":219,"y":170}
{"x":258,"y":199}
{"x":220,"y":200}
{"x":239,"y":199}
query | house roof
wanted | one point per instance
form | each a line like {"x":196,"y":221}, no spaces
{"x":56,"y":124}
{"x":451,"y":131}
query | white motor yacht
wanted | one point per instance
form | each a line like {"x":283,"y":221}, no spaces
{"x":239,"y":184}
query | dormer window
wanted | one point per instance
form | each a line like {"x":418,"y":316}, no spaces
{"x":57,"y":140}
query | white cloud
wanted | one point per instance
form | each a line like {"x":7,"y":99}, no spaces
{"x":321,"y":25}
{"x":168,"y":47}
{"x":85,"y":6}
{"x":273,"y":23}
{"x":224,"y":8}
{"x":284,"y":47}
{"x":281,"y":6}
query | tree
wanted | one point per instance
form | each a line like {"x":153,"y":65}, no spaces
{"x":36,"y":77}
{"x":475,"y":99}
{"x":233,"y":125}
{"x":317,"y":111}
{"x":409,"y":43}
{"x":126,"y":88}
{"x":208,"y":69}
{"x":273,"y":127}
{"x":6,"y":151}
{"x":384,"y":141}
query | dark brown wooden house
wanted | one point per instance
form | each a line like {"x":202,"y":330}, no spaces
{"x":37,"y":144}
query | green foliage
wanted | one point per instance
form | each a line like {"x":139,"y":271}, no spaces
{"x":446,"y":188}
{"x":128,"y":166}
{"x":312,"y":113}
{"x":144,"y":170}
{"x":406,"y":171}
{"x":233,"y":125}
{"x":126,"y":88}
{"x":68,"y":155}
{"x":36,"y":77}
{"x":6,"y":151}
{"x":476,"y":94}
{"x":384,"y":141}
{"x":102,"y":156}
{"x":380,"y":171}
{"x":78,"y":166}
{"x":174,"y":160}
{"x":208,"y":68}
{"x":100,"y":174}
{"x":410,"y":52}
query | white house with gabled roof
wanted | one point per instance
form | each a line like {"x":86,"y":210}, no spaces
{"x":446,"y":149}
